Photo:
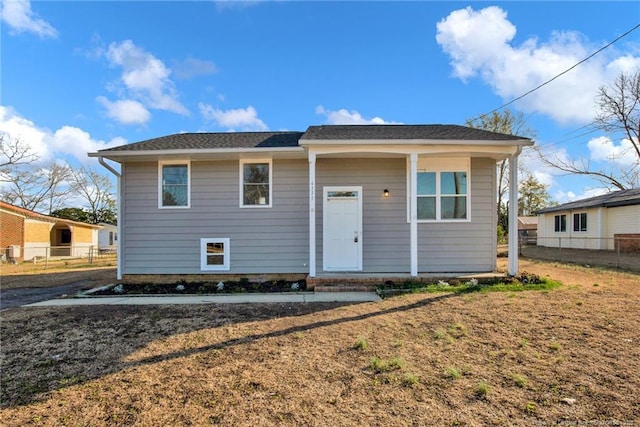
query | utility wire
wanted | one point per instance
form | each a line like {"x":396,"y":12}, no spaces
{"x":562,"y":73}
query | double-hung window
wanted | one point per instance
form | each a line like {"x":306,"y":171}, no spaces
{"x":174,"y":184}
{"x":256,"y":183}
{"x":560,"y":223}
{"x":443,"y":190}
{"x":214,"y":254}
{"x":580,"y":221}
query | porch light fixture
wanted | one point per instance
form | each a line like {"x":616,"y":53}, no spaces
{"x":385,"y":192}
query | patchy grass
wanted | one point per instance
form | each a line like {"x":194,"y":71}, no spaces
{"x":523,"y":282}
{"x":299,"y":364}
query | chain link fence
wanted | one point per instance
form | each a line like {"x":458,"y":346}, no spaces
{"x":46,"y":255}
{"x":622,"y":252}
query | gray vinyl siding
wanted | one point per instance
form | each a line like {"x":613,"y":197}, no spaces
{"x":275,"y":240}
{"x":262,"y":240}
{"x":442,"y":246}
{"x":385,"y":231}
{"x":464,"y":246}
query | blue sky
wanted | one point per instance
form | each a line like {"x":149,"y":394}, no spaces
{"x":82,"y":76}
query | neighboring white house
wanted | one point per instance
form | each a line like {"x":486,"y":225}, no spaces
{"x":108,"y":237}
{"x":367,"y":199}
{"x":594,"y":223}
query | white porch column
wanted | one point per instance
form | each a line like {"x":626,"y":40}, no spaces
{"x":413,"y":216}
{"x":312,"y":214}
{"x":513,"y":214}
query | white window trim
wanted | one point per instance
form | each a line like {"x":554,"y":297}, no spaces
{"x":162,"y":163}
{"x":226,"y":266}
{"x":566,"y":226}
{"x":241,"y":182}
{"x":573,"y":222}
{"x":438,"y":165}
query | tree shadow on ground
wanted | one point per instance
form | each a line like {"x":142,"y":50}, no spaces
{"x":47,"y":349}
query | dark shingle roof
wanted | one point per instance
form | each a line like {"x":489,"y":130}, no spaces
{"x":609,"y":200}
{"x":231,"y":140}
{"x":363,"y":132}
{"x":200,"y":141}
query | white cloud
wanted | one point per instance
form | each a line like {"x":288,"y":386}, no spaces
{"x":193,"y":67}
{"x":245,"y":119}
{"x":17,"y":14}
{"x":66,"y":141}
{"x":587,"y":192}
{"x":345,"y":117}
{"x":145,"y":76}
{"x":603,"y":149}
{"x":480,"y":44}
{"x":125,"y":111}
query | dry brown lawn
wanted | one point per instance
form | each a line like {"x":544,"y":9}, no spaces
{"x":57,"y":273}
{"x":569,"y":356}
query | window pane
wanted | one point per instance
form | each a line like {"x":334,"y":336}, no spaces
{"x":175,"y":185}
{"x":454,"y":208}
{"x":215,"y":260}
{"x":427,"y":183}
{"x":256,"y":173}
{"x":453,"y":182}
{"x":215,"y":253}
{"x":426,"y":208}
{"x":256,"y":194}
{"x":255,"y":184}
{"x":342,"y":194}
{"x":174,"y":174}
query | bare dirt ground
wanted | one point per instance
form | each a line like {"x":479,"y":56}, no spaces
{"x":569,"y":356}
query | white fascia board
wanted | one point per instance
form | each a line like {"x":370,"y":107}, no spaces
{"x":517,"y":142}
{"x":440,"y":149}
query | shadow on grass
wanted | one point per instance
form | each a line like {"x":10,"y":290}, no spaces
{"x":60,"y":347}
{"x":47,"y":349}
{"x":292,"y":330}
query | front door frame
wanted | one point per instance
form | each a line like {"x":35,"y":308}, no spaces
{"x":325,"y":230}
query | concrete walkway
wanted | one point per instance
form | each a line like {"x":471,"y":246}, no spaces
{"x":290,"y":297}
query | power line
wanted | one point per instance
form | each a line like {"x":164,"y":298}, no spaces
{"x":562,"y":73}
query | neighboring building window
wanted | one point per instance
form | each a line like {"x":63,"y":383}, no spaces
{"x":174,"y":186}
{"x":65,"y":236}
{"x":560,"y":223}
{"x":255,"y":183}
{"x":580,"y":222}
{"x":443,"y":190}
{"x":111,"y":238}
{"x":214,"y":254}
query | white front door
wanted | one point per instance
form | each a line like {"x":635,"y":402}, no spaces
{"x":342,"y":229}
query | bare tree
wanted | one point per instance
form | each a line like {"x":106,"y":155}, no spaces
{"x":618,"y":114}
{"x":14,"y":152}
{"x":39,"y":189}
{"x":511,"y":124}
{"x":95,"y":190}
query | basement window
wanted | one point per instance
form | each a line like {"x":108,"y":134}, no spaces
{"x":214,"y":254}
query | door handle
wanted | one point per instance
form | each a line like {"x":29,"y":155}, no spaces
{"x":355,"y":239}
